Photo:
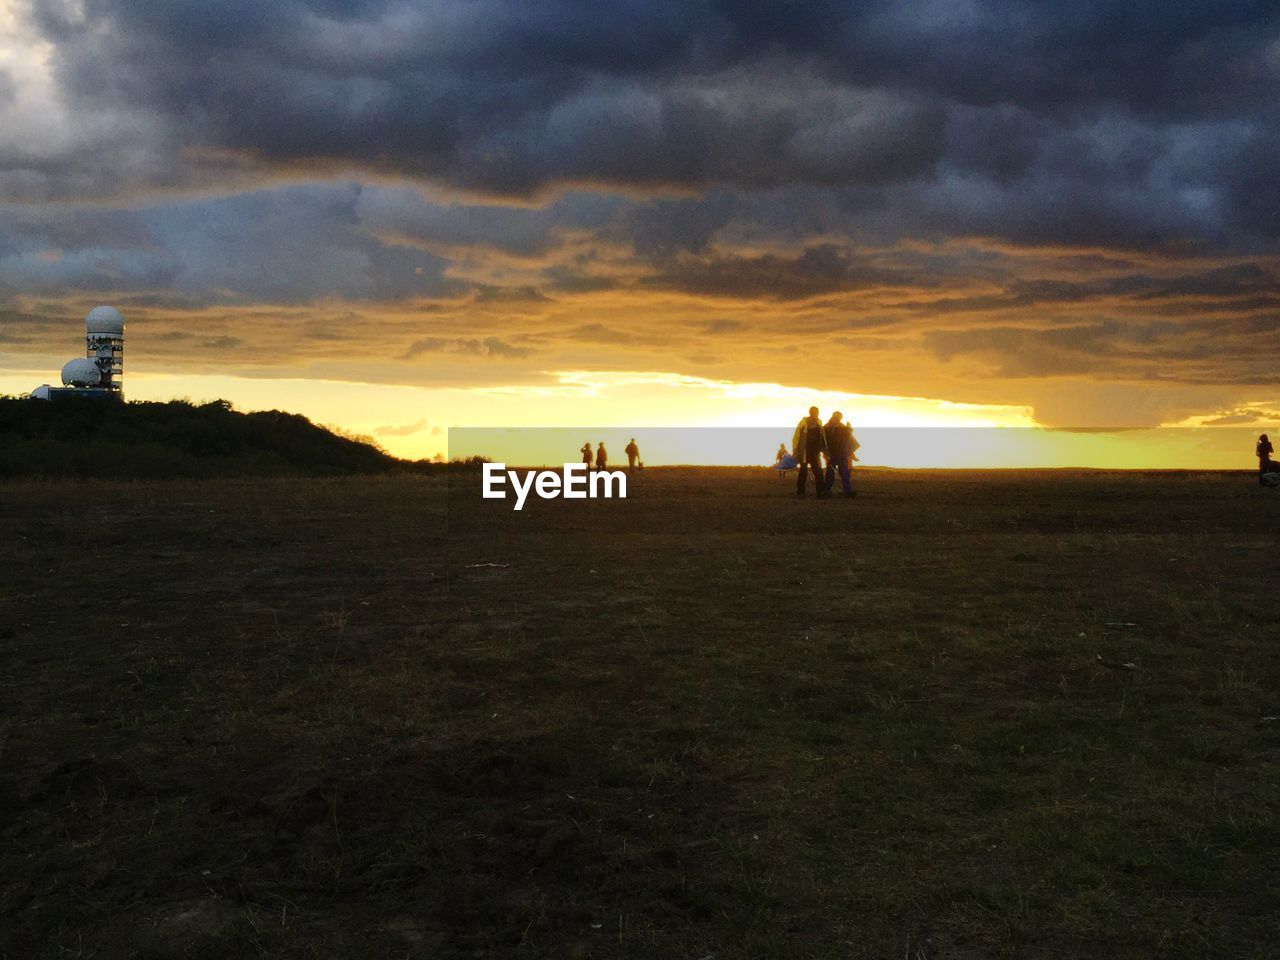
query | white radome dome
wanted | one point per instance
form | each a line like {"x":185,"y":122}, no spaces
{"x":104,"y":320}
{"x":81,"y":372}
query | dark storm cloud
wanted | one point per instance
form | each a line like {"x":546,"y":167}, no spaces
{"x":567,"y":280}
{"x":286,"y":246}
{"x":503,"y":97}
{"x":667,"y":227}
{"x":1237,"y":280}
{"x":820,"y":269}
{"x":1244,"y":288}
{"x":1206,"y":353}
{"x":1028,"y":188}
{"x":405,"y":214}
{"x":1134,"y":123}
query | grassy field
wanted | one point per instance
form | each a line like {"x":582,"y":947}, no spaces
{"x":362,"y":718}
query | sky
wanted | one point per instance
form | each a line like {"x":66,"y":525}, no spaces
{"x":401,"y":217}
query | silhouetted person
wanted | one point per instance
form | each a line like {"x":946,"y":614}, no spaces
{"x":1265,"y":464}
{"x":633,"y":454}
{"x":808,"y":444}
{"x":602,"y":458}
{"x":586,"y":455}
{"x":785,"y":462}
{"x":840,"y":447}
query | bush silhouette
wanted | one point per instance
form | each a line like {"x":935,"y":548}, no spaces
{"x":93,"y":438}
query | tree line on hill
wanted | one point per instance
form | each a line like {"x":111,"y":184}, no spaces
{"x":143,"y":440}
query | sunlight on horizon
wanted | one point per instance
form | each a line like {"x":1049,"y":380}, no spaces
{"x":682,"y":419}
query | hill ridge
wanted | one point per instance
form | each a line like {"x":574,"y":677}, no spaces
{"x":175,"y":438}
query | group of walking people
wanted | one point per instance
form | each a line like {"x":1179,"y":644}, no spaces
{"x":828,"y":450}
{"x":815,"y":441}
{"x":600,"y":457}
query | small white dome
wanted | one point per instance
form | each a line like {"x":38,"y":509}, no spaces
{"x":104,"y":320}
{"x":81,"y":372}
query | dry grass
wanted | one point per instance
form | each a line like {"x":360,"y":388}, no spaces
{"x":303,"y":719}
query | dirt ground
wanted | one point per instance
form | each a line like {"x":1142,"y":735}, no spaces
{"x":1008,"y":714}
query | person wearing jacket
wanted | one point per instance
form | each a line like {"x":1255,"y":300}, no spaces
{"x":840,"y":448}
{"x":808,"y":444}
{"x":602,"y":457}
{"x":633,"y":454}
{"x":1265,"y":465}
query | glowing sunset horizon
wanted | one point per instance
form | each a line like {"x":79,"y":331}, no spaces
{"x":396,"y":220}
{"x":695,"y":421}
